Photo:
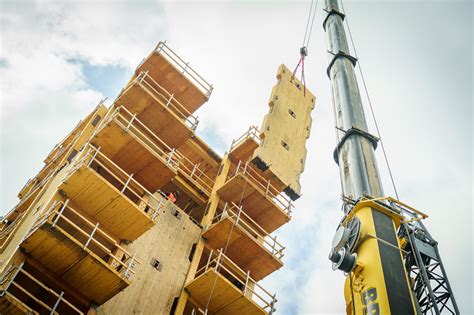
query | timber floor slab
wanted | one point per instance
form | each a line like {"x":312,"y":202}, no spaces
{"x":172,"y":79}
{"x":242,"y":248}
{"x":262,"y":210}
{"x":65,"y":257}
{"x":225,"y":299}
{"x":135,"y":156}
{"x":244,"y":151}
{"x":103,"y":202}
{"x":154,"y":113}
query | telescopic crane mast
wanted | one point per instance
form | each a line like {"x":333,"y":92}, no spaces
{"x":387,"y":254}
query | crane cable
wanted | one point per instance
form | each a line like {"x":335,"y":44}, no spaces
{"x":370,"y":103}
{"x":306,"y":39}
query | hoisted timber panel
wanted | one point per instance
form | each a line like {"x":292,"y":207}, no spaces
{"x":154,"y":288}
{"x":285,"y":130}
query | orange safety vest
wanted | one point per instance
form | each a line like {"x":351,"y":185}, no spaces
{"x":172,"y":198}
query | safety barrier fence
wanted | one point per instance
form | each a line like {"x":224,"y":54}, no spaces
{"x":264,"y":186}
{"x":164,"y":98}
{"x":89,"y":235}
{"x":126,"y":185}
{"x":222,"y":265}
{"x":7,"y":230}
{"x":23,"y":287}
{"x":183,"y":67}
{"x":251,"y":133}
{"x":170,"y":156}
{"x":249,"y":226}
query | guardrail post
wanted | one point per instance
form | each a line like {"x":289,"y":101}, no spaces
{"x":272,"y":304}
{"x":268,"y":188}
{"x":170,"y":156}
{"x":209,"y":260}
{"x":145,"y":73}
{"x":209,"y":92}
{"x":224,"y":211}
{"x":169,"y":100}
{"x":126,"y":184}
{"x":238,"y":167}
{"x":126,"y":273}
{"x":130,"y":122}
{"x":185,"y":67}
{"x":158,"y":207}
{"x":238,"y":216}
{"x":60,"y":212}
{"x":96,"y":151}
{"x":195,"y":124}
{"x":245,"y":167}
{"x":14,"y":276}
{"x":57,"y":303}
{"x":246,"y":282}
{"x":92,"y":235}
{"x":193,"y":171}
{"x":218,"y":261}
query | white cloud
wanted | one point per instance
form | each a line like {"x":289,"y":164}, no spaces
{"x":43,"y":88}
{"x":422,"y":101}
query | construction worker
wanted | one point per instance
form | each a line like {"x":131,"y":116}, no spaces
{"x":173,"y":196}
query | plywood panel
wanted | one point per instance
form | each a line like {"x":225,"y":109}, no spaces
{"x":261,"y":209}
{"x":79,"y":267}
{"x":106,"y":204}
{"x":225,"y":298}
{"x":153,"y":291}
{"x":285,"y":130}
{"x":244,"y":151}
{"x":173,"y":81}
{"x":243,"y":249}
{"x":155,"y":115}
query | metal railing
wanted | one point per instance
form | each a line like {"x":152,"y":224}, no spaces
{"x":125,"y":184}
{"x":166,"y":99}
{"x":88,"y":235}
{"x":222,"y":265}
{"x":252,"y":133}
{"x":184,"y":68}
{"x":129,"y":122}
{"x":264,"y":186}
{"x":170,"y":156}
{"x":194,"y":174}
{"x":31,"y":193}
{"x":7,"y":230}
{"x":30,"y":289}
{"x":251,"y":228}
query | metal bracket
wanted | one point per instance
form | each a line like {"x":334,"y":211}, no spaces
{"x":354,"y":131}
{"x":332,"y":12}
{"x":338,"y":55}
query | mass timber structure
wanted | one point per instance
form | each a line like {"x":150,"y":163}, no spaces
{"x":96,"y":231}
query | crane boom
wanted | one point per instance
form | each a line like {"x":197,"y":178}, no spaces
{"x":388,"y":255}
{"x":355,"y":151}
{"x":377,"y":281}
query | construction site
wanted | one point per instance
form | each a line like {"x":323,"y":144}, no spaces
{"x":133,"y":212}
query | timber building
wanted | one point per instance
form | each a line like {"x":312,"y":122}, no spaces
{"x":94,"y":231}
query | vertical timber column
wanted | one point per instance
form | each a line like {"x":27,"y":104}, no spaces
{"x":379,"y":283}
{"x":206,"y":220}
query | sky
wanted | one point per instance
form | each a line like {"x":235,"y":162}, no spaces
{"x":58,"y":59}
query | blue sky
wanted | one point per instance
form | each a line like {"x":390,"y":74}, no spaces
{"x":60,"y":58}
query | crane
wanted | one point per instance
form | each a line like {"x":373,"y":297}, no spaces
{"x":391,"y":262}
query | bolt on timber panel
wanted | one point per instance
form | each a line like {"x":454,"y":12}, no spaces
{"x":285,"y":130}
